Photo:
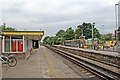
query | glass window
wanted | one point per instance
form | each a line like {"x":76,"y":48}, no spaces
{"x":16,"y":37}
{"x":7,"y":44}
{"x":16,"y":44}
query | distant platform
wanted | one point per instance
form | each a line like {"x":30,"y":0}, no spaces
{"x":115,"y":54}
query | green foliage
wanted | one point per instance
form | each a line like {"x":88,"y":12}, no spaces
{"x":78,"y":33}
{"x":87,"y":31}
{"x":60,"y":33}
{"x":106,"y":37}
{"x":4,"y":28}
{"x":46,"y":40}
{"x":51,"y":40}
{"x":69,"y":34}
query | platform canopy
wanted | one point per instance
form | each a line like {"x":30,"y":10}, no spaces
{"x":36,"y":35}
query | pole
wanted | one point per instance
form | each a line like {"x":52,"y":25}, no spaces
{"x":103,"y":38}
{"x":93,"y":35}
{"x":116,"y":18}
{"x":103,"y":29}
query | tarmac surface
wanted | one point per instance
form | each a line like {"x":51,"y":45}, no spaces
{"x":42,"y":64}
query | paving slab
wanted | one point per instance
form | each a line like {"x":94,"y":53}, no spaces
{"x":41,"y":64}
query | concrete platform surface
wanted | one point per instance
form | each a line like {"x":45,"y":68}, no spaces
{"x":115,"y":54}
{"x":42,"y":64}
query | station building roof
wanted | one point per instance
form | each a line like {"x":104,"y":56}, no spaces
{"x":30,"y":34}
{"x":23,"y":33}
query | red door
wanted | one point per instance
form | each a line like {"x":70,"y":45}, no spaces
{"x":14,"y":46}
{"x":20,"y":46}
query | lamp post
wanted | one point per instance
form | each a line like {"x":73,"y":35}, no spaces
{"x":93,"y":35}
{"x":103,"y":34}
{"x":103,"y":29}
{"x":116,"y":20}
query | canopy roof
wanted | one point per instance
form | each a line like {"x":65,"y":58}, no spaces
{"x":30,"y":34}
{"x":36,"y":33}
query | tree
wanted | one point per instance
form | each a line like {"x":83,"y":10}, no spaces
{"x":69,"y":34}
{"x":86,"y":29}
{"x":46,"y":40}
{"x":60,"y":33}
{"x":51,"y":40}
{"x":78,"y":33}
{"x":96,"y":33}
{"x":4,"y":28}
{"x":108,"y":37}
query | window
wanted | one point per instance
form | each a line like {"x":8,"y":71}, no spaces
{"x":13,"y":43}
{"x":7,"y":44}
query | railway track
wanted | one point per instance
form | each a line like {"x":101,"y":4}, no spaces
{"x":102,"y":70}
{"x":112,"y":59}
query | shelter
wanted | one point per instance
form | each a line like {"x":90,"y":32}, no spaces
{"x":20,"y":41}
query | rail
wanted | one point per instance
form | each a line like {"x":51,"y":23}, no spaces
{"x":97,"y":69}
{"x":110,"y":58}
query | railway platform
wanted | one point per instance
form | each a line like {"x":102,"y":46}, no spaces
{"x":42,"y":64}
{"x":108,"y":53}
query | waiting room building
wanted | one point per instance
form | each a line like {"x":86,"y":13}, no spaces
{"x":20,"y":41}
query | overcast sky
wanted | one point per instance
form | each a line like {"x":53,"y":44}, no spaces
{"x":53,"y":15}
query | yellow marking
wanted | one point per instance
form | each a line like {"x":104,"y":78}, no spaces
{"x":114,"y":68}
{"x":92,"y":76}
{"x":23,"y":33}
{"x":88,"y":73}
{"x":84,"y":71}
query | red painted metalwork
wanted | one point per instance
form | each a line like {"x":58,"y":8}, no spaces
{"x":14,"y":46}
{"x":20,"y":46}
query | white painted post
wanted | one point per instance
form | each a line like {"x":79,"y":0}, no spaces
{"x":10,"y":44}
{"x":31,"y":43}
{"x":23,"y":43}
{"x":3,"y":44}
